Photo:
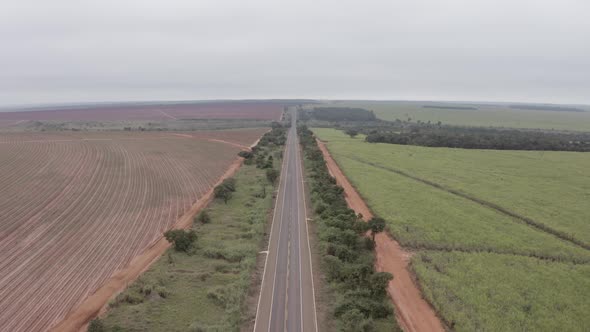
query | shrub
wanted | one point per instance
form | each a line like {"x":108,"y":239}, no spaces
{"x":351,"y":132}
{"x":203,"y":217}
{"x":222,"y":192}
{"x":230,"y":184}
{"x":245,"y":154}
{"x":162,"y":291}
{"x":130,"y":297}
{"x":272,"y":175}
{"x":182,"y":240}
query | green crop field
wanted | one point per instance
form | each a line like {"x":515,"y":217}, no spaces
{"x":490,"y":292}
{"x":484,"y":115}
{"x":205,"y":289}
{"x":551,"y":187}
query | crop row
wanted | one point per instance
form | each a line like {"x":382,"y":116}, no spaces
{"x":72,"y":212}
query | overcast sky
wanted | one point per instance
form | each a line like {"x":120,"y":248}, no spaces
{"x":496,"y":50}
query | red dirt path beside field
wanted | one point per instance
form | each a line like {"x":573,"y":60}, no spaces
{"x":412,"y":312}
{"x":78,"y":208}
{"x":155,"y":112}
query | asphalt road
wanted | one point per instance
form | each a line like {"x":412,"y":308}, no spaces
{"x":287,"y":299}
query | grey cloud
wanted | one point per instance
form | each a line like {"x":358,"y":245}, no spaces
{"x":69,"y":51}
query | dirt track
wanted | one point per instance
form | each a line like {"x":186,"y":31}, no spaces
{"x":97,"y":303}
{"x":412,"y":312}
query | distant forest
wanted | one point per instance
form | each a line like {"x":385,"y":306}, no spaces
{"x":546,"y":108}
{"x":466,"y":108}
{"x":342,"y":114}
{"x":481,"y":138}
{"x":358,"y":120}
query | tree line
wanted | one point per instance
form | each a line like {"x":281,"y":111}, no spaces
{"x":483,"y":138}
{"x":341,"y":114}
{"x":348,"y":256}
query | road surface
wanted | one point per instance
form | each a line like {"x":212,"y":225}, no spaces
{"x":287,"y":299}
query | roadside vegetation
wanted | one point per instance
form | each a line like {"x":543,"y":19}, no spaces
{"x":361,"y":302}
{"x":481,"y":268}
{"x":201,"y":283}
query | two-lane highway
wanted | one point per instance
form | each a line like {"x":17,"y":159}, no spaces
{"x":287,"y":299}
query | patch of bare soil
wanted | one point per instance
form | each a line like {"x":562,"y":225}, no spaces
{"x":96,"y":304}
{"x":413,"y":313}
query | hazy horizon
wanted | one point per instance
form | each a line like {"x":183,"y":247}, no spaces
{"x":42,"y":106}
{"x":117,"y":51}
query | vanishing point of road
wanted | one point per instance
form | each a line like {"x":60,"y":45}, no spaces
{"x":287,"y":299}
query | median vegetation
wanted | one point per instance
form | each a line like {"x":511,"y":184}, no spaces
{"x":361,"y":302}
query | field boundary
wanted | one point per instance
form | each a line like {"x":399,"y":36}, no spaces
{"x":553,"y":259}
{"x":533,"y":223}
{"x":96,"y":304}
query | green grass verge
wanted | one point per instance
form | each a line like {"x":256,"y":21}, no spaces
{"x":205,"y":289}
{"x":484,"y":116}
{"x":490,"y":292}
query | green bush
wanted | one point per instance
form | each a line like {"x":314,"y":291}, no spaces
{"x":272,"y":175}
{"x":203,"y":217}
{"x":222,"y":192}
{"x":182,"y":240}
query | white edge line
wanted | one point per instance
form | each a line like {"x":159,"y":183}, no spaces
{"x":268,"y":248}
{"x":308,"y":246}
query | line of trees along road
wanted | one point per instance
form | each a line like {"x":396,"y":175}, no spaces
{"x":347,"y":255}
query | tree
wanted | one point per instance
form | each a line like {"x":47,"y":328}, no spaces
{"x":245,"y":154}
{"x":222,"y":192}
{"x":378,"y":283}
{"x":230,"y":184}
{"x":272,"y":175}
{"x":377,"y":225}
{"x":203,"y":217}
{"x":351,"y":132}
{"x":182,"y":240}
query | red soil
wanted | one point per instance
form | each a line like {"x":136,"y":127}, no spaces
{"x":412,"y":312}
{"x":208,"y":110}
{"x":78,"y":208}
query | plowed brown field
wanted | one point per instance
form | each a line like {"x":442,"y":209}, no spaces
{"x":76,"y":208}
{"x":264,"y":110}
